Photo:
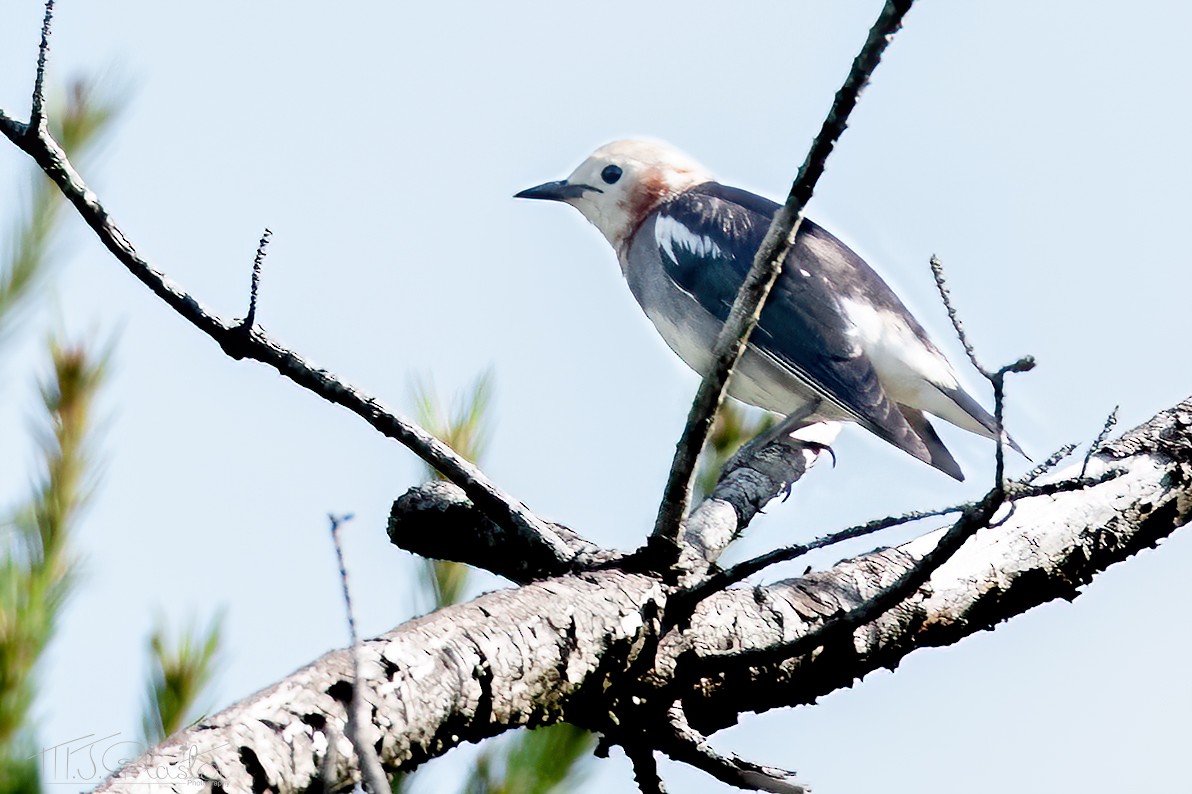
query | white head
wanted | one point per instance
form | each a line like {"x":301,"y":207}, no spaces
{"x":622,"y":182}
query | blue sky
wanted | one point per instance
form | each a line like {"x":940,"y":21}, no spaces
{"x":1039,"y":149}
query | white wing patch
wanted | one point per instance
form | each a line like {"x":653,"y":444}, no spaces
{"x":904,"y":365}
{"x":668,"y":233}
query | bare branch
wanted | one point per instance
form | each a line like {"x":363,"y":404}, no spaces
{"x":1024,"y":364}
{"x":1053,"y":460}
{"x":937,"y":271}
{"x":743,"y":490}
{"x":681,"y":605}
{"x":250,"y":319}
{"x":254,"y":344}
{"x":767,"y":264}
{"x":691,"y":747}
{"x":1099,"y":441}
{"x":549,"y":650}
{"x":437,"y":520}
{"x":971,"y":520}
{"x":645,"y":769}
{"x":37,"y":114}
{"x":370,"y":765}
{"x":996,"y":379}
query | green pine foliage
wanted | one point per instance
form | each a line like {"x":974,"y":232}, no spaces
{"x":180,"y":675}
{"x":38,"y":570}
{"x":736,"y":424}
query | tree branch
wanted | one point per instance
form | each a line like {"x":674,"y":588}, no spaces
{"x":437,"y":520}
{"x":550,"y":650}
{"x":744,"y":488}
{"x":1047,"y":550}
{"x":691,"y":747}
{"x":241,"y":341}
{"x":767,"y":264}
{"x":371,"y":773}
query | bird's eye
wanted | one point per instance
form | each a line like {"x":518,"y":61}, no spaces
{"x":611,"y":173}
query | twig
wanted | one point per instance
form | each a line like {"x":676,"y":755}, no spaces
{"x":371,"y":772}
{"x":974,"y":517}
{"x":1095,"y":447}
{"x":971,"y":520}
{"x":251,"y":318}
{"x":37,"y":114}
{"x":997,"y":379}
{"x":1053,"y":460}
{"x":254,"y":344}
{"x":689,"y":746}
{"x":681,"y":605}
{"x":645,"y":768}
{"x":1024,"y":364}
{"x":767,"y":264}
{"x":937,"y":271}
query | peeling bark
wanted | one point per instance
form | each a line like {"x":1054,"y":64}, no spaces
{"x":581,"y":647}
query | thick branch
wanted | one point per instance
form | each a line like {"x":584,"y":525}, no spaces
{"x":751,"y":298}
{"x":741,"y":493}
{"x":437,"y":520}
{"x":1049,"y":548}
{"x":549,"y":650}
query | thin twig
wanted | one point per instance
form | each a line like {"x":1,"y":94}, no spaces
{"x":974,"y":518}
{"x":767,"y":264}
{"x":996,"y":379}
{"x":371,"y":773}
{"x":689,"y":746}
{"x":909,"y":581}
{"x":1024,"y":364}
{"x":1053,"y":460}
{"x":503,"y":509}
{"x":937,"y":271}
{"x":37,"y":114}
{"x":682,"y":604}
{"x":251,"y":318}
{"x":1099,"y":441}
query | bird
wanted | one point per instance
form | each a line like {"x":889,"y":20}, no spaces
{"x":833,"y":341}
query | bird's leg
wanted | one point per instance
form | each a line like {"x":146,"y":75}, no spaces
{"x":790,"y":424}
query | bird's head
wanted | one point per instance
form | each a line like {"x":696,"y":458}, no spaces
{"x":621,"y":183}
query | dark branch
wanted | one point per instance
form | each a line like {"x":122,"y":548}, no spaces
{"x":370,"y":765}
{"x":996,"y":379}
{"x":254,"y":344}
{"x":761,"y":277}
{"x":645,"y":769}
{"x":1099,"y":441}
{"x":937,"y":271}
{"x":37,"y":113}
{"x":973,"y":518}
{"x":548,"y":651}
{"x":1053,"y":460}
{"x":689,"y":746}
{"x":250,"y":319}
{"x":437,"y":520}
{"x":681,"y":605}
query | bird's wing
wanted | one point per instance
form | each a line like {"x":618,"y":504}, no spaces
{"x":707,"y":238}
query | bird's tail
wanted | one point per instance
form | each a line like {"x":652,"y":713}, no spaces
{"x":938,"y":454}
{"x":983,"y":418}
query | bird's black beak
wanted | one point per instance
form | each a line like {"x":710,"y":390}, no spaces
{"x":556,"y":191}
